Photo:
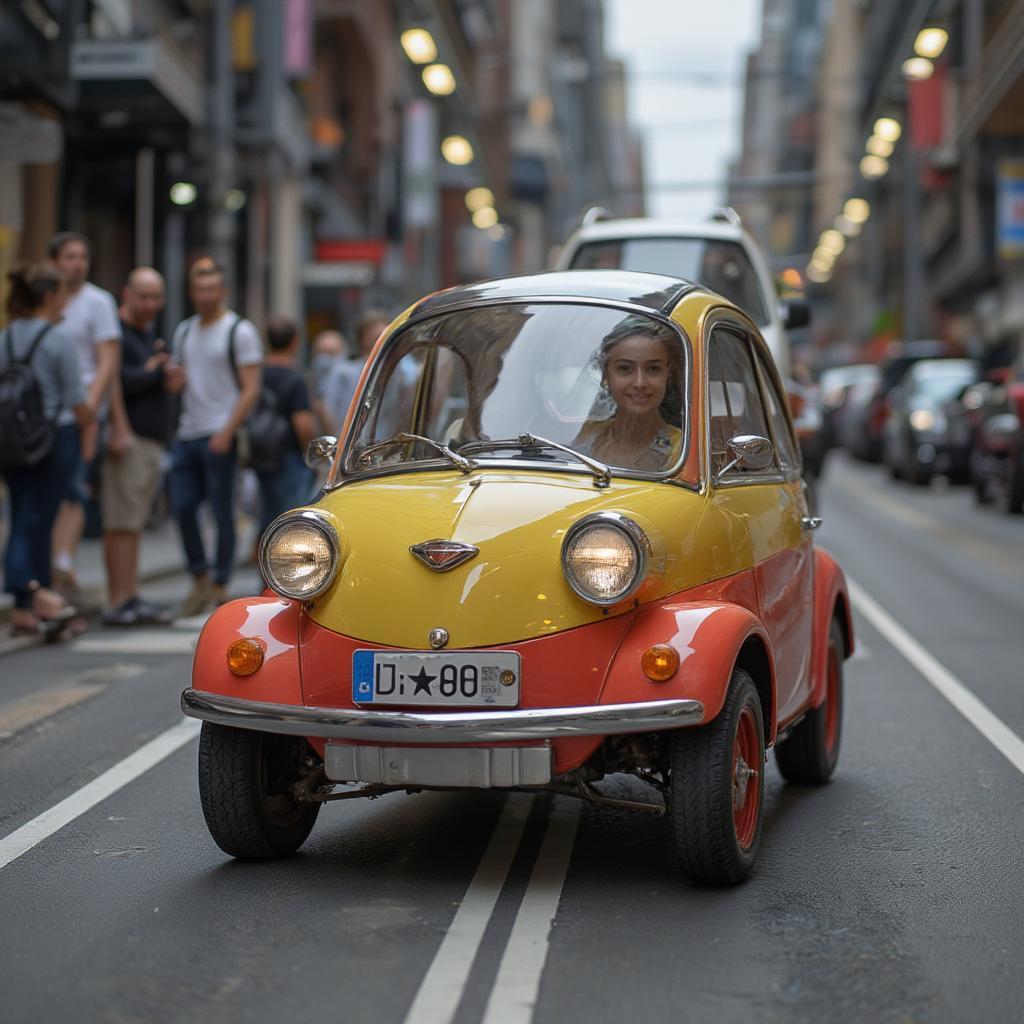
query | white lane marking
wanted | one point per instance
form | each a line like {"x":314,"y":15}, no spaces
{"x":1004,"y":739}
{"x":515,"y":991}
{"x":136,"y":643}
{"x":442,"y":986}
{"x":147,"y":756}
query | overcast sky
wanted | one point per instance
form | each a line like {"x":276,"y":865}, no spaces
{"x":690,"y":127}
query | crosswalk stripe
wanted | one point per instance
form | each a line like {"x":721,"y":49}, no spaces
{"x":20,"y":714}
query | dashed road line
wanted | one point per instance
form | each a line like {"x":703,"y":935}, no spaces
{"x":140,"y":642}
{"x":514,"y":996}
{"x":1000,"y":735}
{"x":147,"y":756}
{"x":445,"y":981}
{"x":20,"y":714}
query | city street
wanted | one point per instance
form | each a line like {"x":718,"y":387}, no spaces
{"x":892,"y":894}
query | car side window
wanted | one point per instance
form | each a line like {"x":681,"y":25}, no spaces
{"x":734,"y":398}
{"x":786,"y":448}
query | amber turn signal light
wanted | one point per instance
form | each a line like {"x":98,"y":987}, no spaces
{"x":660,"y":662}
{"x":245,"y":656}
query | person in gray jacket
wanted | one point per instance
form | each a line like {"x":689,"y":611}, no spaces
{"x":35,"y":304}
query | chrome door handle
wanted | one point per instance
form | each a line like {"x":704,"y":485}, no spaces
{"x":810,"y":522}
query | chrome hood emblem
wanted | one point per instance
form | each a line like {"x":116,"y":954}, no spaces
{"x":442,"y":555}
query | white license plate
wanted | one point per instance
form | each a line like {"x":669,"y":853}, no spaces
{"x":452,"y":679}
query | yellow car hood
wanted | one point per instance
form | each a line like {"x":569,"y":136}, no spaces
{"x":514,"y":588}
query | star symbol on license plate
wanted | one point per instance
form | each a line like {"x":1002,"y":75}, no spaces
{"x":422,"y":681}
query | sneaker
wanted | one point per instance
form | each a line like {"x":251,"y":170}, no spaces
{"x":198,"y":599}
{"x":151,"y":614}
{"x":122,"y":615}
{"x":219,"y":594}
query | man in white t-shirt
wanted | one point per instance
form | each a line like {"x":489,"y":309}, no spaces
{"x":221,"y":354}
{"x":91,"y":319}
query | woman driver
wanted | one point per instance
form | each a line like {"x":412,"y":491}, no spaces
{"x":641,"y":367}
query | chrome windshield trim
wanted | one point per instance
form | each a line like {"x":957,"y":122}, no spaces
{"x":416,"y":727}
{"x":337,"y":476}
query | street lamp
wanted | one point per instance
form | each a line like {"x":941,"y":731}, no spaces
{"x":479,"y":197}
{"x":419,"y":45}
{"x":930,"y":42}
{"x":183,"y":193}
{"x":856,"y":209}
{"x":888,"y":128}
{"x":485,"y":217}
{"x":456,"y":149}
{"x":917,"y":69}
{"x":878,"y":146}
{"x":874,"y":166}
{"x":438,"y":78}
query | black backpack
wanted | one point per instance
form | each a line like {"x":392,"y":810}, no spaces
{"x":270,"y":435}
{"x":26,"y":432}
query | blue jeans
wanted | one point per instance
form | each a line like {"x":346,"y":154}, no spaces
{"x":199,"y":475}
{"x":292,"y":485}
{"x":35,"y":494}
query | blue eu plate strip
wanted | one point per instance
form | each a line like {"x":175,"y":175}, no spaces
{"x":362,"y":675}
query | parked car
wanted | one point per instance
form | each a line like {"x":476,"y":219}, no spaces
{"x":837,"y":384}
{"x":867,"y":422}
{"x":718,"y":254}
{"x":997,"y":458}
{"x":617,"y":576}
{"x":809,"y":424}
{"x":916,"y":441}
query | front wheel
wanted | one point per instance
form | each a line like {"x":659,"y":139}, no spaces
{"x":245,"y":780}
{"x":810,"y":752}
{"x":716,"y":794}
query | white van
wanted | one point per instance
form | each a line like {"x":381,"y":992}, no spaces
{"x":717,"y":254}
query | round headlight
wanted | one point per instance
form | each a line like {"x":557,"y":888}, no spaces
{"x":604,"y":557}
{"x":299,"y":555}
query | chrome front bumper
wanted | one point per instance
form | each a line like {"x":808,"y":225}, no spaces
{"x":414,"y":727}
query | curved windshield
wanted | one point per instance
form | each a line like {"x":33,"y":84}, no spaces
{"x":718,"y":264}
{"x":527,"y":381}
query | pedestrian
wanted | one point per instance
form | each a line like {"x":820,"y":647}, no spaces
{"x":340,"y":386}
{"x":329,"y":349}
{"x":130,"y":479}
{"x":278,"y":451}
{"x":90,"y":318}
{"x":40,"y":390}
{"x":221,"y":356}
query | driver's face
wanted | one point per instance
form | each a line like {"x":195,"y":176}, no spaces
{"x":637,"y":373}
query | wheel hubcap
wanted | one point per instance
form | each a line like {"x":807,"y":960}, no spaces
{"x":746,"y":789}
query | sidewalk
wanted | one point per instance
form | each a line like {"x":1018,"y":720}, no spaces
{"x":160,"y":557}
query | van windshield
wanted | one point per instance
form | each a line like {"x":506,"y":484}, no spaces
{"x":717,"y":264}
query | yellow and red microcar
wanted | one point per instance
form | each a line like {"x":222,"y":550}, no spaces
{"x":563,"y":536}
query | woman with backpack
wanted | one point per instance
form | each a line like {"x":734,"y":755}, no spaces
{"x":39,"y":379}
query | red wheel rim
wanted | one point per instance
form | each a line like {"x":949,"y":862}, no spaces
{"x":746,"y":778}
{"x":832,"y":701}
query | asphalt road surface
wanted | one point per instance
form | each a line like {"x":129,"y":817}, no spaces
{"x":894,"y":894}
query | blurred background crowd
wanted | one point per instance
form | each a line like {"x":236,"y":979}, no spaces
{"x":309,"y":167}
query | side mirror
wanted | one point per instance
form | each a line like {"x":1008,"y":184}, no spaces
{"x":748,"y":451}
{"x":321,"y":449}
{"x":794,"y":313}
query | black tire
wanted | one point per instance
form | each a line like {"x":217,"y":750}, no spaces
{"x":703,"y":784}
{"x":810,"y":753}
{"x":243,"y":785}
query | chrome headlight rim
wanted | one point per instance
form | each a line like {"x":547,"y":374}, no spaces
{"x":637,"y":539}
{"x":315,"y":520}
